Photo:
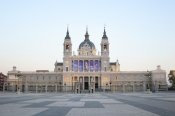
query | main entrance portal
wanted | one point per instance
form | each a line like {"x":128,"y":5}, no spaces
{"x":86,"y":83}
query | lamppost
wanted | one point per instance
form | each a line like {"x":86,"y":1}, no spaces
{"x":106,"y":86}
{"x":148,"y":75}
{"x":65,"y":87}
{"x":110,"y":85}
{"x":73,"y":87}
{"x":18,"y":76}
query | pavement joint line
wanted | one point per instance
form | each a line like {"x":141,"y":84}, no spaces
{"x":96,"y":106}
{"x":149,"y":108}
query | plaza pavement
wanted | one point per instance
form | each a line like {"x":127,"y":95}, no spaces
{"x":97,"y":104}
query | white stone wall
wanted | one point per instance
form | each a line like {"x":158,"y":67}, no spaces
{"x":125,"y":79}
{"x":131,"y":76}
{"x":42,"y":77}
{"x":159,"y":76}
{"x":12,"y":76}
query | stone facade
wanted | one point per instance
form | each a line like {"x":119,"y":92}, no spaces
{"x":3,"y":81}
{"x":86,"y":71}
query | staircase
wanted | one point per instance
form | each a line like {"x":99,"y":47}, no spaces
{"x":85,"y":91}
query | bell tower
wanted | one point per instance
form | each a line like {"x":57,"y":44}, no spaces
{"x":67,"y":61}
{"x":67,"y":46}
{"x":104,"y":45}
{"x":104,"y":52}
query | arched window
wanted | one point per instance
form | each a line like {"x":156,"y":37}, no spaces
{"x":105,"y":47}
{"x":67,"y":47}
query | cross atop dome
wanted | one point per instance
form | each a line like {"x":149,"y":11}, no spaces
{"x":86,"y":35}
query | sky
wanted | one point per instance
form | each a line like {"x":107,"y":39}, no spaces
{"x":141,"y":33}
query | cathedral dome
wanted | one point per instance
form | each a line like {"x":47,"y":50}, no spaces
{"x":87,"y":43}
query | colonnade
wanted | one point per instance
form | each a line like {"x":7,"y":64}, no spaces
{"x":81,"y":83}
{"x":40,"y":87}
{"x":126,"y":86}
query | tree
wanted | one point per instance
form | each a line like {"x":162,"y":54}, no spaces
{"x":172,"y":79}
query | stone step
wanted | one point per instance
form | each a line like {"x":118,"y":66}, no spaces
{"x":85,"y":91}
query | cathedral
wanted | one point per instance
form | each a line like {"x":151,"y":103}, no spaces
{"x":88,"y":71}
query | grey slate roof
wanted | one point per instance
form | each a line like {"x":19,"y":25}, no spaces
{"x":87,"y":41}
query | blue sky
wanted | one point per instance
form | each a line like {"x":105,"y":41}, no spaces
{"x":141,"y":32}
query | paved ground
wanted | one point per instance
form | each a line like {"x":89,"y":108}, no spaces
{"x":98,"y":104}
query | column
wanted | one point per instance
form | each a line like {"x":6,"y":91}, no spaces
{"x":99,"y":65}
{"x":88,"y":65}
{"x":83,"y":82}
{"x":89,"y":83}
{"x":56,"y":88}
{"x":72,"y":67}
{"x":93,"y":83}
{"x":78,"y":67}
{"x":83,"y":65}
{"x":46,"y":88}
{"x":94,"y":66}
{"x":75,"y":85}
{"x":99,"y":81}
{"x":77,"y":89}
{"x":79,"y":81}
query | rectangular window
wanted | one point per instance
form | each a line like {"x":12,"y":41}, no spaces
{"x":81,"y":65}
{"x":67,"y":69}
{"x":75,"y":65}
{"x":96,"y":65}
{"x":72,"y":65}
{"x":91,"y":65}
{"x":99,"y":66}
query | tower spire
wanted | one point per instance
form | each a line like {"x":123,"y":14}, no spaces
{"x":104,"y":34}
{"x":67,"y":33}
